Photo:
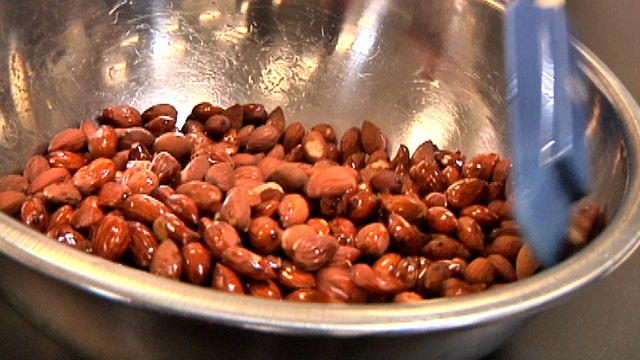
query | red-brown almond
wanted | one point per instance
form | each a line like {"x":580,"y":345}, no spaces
{"x":142,"y":245}
{"x":11,"y":201}
{"x":48,"y":177}
{"x":111,"y":238}
{"x":408,"y":206}
{"x":331,"y":181}
{"x":157,"y":110}
{"x":219,"y":235}
{"x":247,"y":263}
{"x":262,"y":139}
{"x":69,"y":140}
{"x":90,"y":178}
{"x":20,"y":183}
{"x":312,"y":253}
{"x":225,"y":279}
{"x":122,"y":116}
{"x":175,"y":143}
{"x":373,"y":239}
{"x":35,"y":166}
{"x":466,"y":192}
{"x":62,"y":193}
{"x":167,"y":261}
{"x":208,"y":197}
{"x":372,"y":138}
{"x":143,"y":208}
{"x":103,"y":142}
{"x":197,"y":263}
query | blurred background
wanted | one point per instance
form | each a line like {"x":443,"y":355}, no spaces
{"x":600,"y":322}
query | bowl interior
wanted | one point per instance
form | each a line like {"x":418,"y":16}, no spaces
{"x":420,"y":69}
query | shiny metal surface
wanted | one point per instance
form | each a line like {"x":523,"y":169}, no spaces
{"x":422,"y":69}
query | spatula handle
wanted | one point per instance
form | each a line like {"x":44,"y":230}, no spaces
{"x":549,"y":3}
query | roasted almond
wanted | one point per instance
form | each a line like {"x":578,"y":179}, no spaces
{"x":11,"y":201}
{"x":371,"y":137}
{"x":69,"y":140}
{"x":247,"y":263}
{"x":219,"y":235}
{"x":111,"y":238}
{"x":208,"y":197}
{"x":262,"y":139}
{"x":408,"y":206}
{"x":311,"y":253}
{"x":20,"y":183}
{"x":87,"y":214}
{"x":167,"y":261}
{"x":143,"y":208}
{"x":103,"y":142}
{"x":35,"y":166}
{"x":48,"y":177}
{"x":142,"y":245}
{"x":122,"y":116}
{"x":62,"y":193}
{"x":34,"y":214}
{"x":90,"y":178}
{"x":331,"y":181}
{"x":157,"y":110}
{"x":197,"y":263}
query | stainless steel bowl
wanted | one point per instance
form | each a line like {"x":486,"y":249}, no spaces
{"x":420,"y":69}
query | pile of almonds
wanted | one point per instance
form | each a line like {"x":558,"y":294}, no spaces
{"x":239,"y":201}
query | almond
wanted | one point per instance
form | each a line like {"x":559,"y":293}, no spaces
{"x":70,"y":160}
{"x":69,"y":140}
{"x":143,"y":208}
{"x":314,"y":146}
{"x":225,"y":279}
{"x":247,"y":263}
{"x":142,"y":244}
{"x":372,"y":138}
{"x":174,"y":143}
{"x":293,"y":210}
{"x":312,"y":253}
{"x":264,"y":235}
{"x":11,"y":201}
{"x":408,"y":206}
{"x":34,"y":167}
{"x":157,"y":110}
{"x":17,"y":183}
{"x":167,"y":261}
{"x":47,"y":177}
{"x":34,"y":214}
{"x":197,"y":263}
{"x":479,"y":270}
{"x":62,"y":193}
{"x":122,"y":116}
{"x":277,"y":119}
{"x":373,"y":282}
{"x":87,"y":214}
{"x":466,"y":192}
{"x":526,"y":263}
{"x":236,"y":210}
{"x":262,"y":139}
{"x":129,"y":136}
{"x":90,"y":178}
{"x":103,"y":142}
{"x":111,"y":238}
{"x":331,"y":181}
{"x":219,"y":235}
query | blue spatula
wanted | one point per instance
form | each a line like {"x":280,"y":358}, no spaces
{"x":548,"y":120}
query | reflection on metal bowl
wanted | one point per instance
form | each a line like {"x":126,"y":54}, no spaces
{"x":420,"y":69}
